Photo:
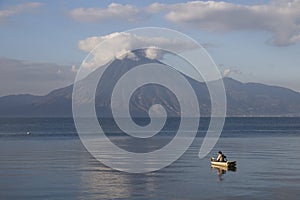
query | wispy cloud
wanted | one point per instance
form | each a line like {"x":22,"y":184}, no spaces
{"x":113,"y":11}
{"x":280,"y":18}
{"x":17,"y":9}
{"x":227,"y":72}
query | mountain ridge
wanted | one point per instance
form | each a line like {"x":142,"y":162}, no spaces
{"x":243,"y":99}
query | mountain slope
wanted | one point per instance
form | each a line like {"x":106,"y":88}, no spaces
{"x":255,"y":99}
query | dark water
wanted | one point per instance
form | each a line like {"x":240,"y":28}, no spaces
{"x":51,"y":163}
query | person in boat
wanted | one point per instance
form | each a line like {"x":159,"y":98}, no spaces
{"x":221,"y":157}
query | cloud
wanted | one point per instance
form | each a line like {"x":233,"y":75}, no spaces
{"x":120,"y":45}
{"x":156,"y":8}
{"x":114,"y":11}
{"x":153,"y":53}
{"x":228,"y":72}
{"x":74,"y":69}
{"x":280,"y":18}
{"x":17,"y":9}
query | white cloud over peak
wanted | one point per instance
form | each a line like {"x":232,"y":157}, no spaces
{"x":120,"y":45}
{"x":227,"y":72}
{"x":17,"y":9}
{"x":153,"y":53}
{"x":113,"y":11}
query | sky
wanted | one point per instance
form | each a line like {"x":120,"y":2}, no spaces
{"x":44,"y":42}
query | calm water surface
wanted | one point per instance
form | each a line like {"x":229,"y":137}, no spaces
{"x":51,"y":163}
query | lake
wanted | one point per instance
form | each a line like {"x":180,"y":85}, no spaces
{"x":52,"y":163}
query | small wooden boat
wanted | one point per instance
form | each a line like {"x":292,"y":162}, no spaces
{"x":223,"y":164}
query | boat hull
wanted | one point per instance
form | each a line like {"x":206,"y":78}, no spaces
{"x":230,"y":168}
{"x":223,"y":164}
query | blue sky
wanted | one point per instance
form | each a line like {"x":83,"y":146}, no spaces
{"x":256,"y":41}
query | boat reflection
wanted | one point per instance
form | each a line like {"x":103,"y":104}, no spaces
{"x":221,"y":170}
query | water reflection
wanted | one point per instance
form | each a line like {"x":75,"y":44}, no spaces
{"x":101,"y":182}
{"x":221,"y":170}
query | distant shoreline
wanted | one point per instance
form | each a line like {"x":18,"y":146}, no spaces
{"x":68,"y":117}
